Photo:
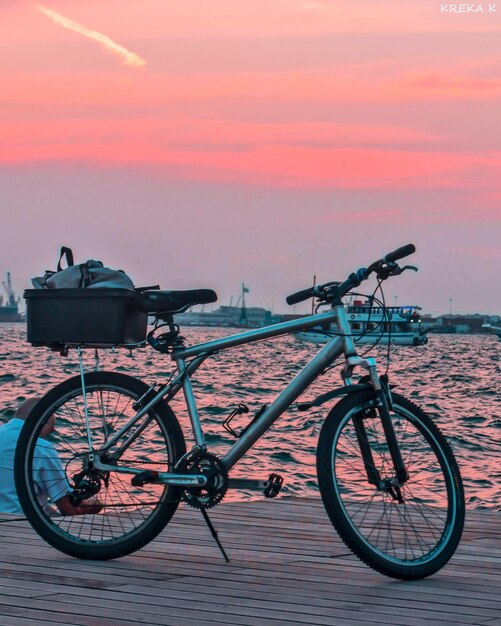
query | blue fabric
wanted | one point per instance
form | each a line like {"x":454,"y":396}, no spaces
{"x":48,"y":472}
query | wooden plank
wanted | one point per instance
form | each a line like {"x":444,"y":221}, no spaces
{"x":300,"y":594}
{"x":296,"y":602}
{"x":288,"y":567}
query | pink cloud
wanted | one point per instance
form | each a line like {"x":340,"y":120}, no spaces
{"x":291,"y":155}
{"x":442,"y":85}
{"x":213,"y":134}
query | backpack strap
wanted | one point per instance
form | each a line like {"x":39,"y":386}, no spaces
{"x":65,"y":252}
{"x":85,"y":277}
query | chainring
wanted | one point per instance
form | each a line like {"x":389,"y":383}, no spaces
{"x":209,"y":465}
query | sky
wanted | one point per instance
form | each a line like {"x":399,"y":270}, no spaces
{"x":206,"y":143}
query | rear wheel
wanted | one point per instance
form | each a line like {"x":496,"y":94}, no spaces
{"x":50,"y":466}
{"x":404,"y":531}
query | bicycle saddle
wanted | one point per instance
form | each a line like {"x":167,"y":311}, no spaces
{"x":172,"y":301}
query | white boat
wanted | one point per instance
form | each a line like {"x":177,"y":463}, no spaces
{"x":493,"y":328}
{"x":399,"y":325}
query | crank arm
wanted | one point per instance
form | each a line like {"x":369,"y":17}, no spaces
{"x":164,"y":478}
{"x":247,"y":483}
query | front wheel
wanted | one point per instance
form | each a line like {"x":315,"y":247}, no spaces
{"x":53,"y":465}
{"x":407,"y":530}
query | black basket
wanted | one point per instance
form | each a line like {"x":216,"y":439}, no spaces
{"x":85,"y":317}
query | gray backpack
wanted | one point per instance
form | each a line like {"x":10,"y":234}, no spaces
{"x":91,"y":275}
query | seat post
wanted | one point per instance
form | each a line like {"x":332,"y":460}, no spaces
{"x":172,"y":327}
{"x":175,"y":339}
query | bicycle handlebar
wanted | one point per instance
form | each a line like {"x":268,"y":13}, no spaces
{"x":300,"y":296}
{"x":354,"y":279}
{"x":399,"y":253}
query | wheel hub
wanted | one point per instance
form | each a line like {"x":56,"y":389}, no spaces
{"x":392,"y":487}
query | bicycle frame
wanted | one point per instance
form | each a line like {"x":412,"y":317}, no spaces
{"x":340,"y":344}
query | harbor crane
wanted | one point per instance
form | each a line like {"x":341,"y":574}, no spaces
{"x":11,"y":296}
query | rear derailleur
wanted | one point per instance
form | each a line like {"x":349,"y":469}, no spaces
{"x":87,"y":484}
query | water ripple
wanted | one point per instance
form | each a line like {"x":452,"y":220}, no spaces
{"x":454,"y":377}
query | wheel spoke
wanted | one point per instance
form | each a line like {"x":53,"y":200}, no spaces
{"x":407,"y":524}
{"x":126,"y":511}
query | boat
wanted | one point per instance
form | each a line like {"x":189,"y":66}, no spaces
{"x":399,"y":325}
{"x":9,"y":311}
{"x":494,"y":329}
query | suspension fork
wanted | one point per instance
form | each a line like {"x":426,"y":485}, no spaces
{"x":382,"y":404}
{"x":383,"y":400}
{"x":373,"y":475}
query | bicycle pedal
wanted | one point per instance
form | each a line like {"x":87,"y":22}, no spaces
{"x":143,"y":478}
{"x":273,"y":486}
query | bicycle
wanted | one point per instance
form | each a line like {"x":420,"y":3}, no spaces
{"x":387,"y":476}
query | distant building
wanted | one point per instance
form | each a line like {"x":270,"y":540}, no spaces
{"x":464,"y":323}
{"x":229,"y":316}
{"x":288,"y":317}
{"x":428,"y":322}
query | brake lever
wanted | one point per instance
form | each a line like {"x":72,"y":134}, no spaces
{"x":397,"y":270}
{"x":393,"y":269}
{"x":409,"y":267}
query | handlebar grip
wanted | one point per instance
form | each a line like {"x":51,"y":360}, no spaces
{"x":300,"y":296}
{"x":400,"y":253}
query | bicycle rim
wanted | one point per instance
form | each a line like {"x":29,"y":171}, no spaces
{"x":127,"y":510}
{"x":409,"y":533}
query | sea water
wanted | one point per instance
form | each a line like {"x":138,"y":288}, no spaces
{"x":455,"y":378}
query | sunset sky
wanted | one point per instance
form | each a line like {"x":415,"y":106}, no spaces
{"x":202,"y":143}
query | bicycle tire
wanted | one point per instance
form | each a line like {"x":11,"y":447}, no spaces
{"x":407,"y":540}
{"x":131,"y":516}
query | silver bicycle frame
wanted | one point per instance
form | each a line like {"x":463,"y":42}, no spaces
{"x":340,"y":344}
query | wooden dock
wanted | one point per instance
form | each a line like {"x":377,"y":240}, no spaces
{"x":287,"y":567}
